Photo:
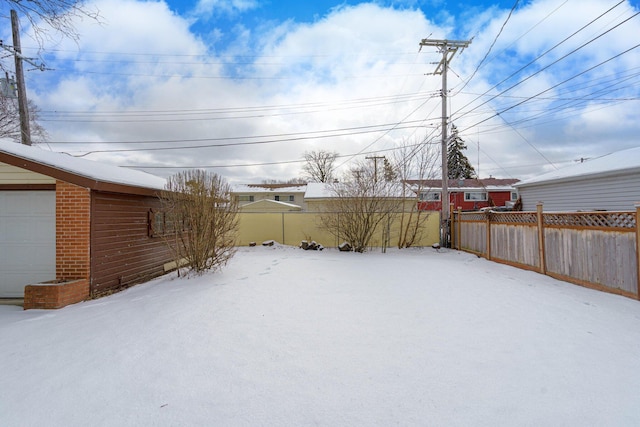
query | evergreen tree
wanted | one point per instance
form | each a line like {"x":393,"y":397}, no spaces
{"x":390,"y":172}
{"x":458,"y":164}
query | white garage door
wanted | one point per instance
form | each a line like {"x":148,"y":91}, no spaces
{"x":27,"y":240}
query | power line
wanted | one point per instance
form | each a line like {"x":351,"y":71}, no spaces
{"x":282,"y":162}
{"x":229,"y":76}
{"x":490,"y":47}
{"x":235,"y":144}
{"x":554,"y":86}
{"x":246,"y":137}
{"x":544,"y":54}
{"x":225,"y":114}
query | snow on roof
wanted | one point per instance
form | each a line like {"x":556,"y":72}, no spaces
{"x":83,"y":167}
{"x":269,"y":188}
{"x":613,"y":163}
{"x":317,"y":190}
{"x":320,"y":190}
{"x":488,"y":184}
{"x":272,"y":202}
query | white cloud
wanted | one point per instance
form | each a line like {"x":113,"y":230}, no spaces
{"x":357,"y":66}
{"x":205,"y":9}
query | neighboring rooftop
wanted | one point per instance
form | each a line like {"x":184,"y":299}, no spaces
{"x":317,"y":190}
{"x":485,"y":183}
{"x":272,"y":203}
{"x":611,"y":164}
{"x":269,"y":188}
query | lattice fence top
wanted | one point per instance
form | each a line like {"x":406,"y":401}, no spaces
{"x":500,"y":217}
{"x":472,"y":216}
{"x":626,"y":220}
{"x":514,"y":217}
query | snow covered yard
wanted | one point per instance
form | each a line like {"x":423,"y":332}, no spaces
{"x":290,"y":337}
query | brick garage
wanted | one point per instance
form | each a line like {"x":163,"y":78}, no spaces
{"x":102,"y":239}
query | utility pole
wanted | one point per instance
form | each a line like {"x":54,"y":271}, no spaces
{"x":25,"y":131}
{"x":448,"y":49}
{"x":375,"y":165}
{"x":16,"y":51}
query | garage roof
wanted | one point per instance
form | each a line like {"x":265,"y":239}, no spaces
{"x":619,"y":162}
{"x":81,"y":172}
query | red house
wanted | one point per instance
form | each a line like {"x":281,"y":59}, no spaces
{"x":467,"y":194}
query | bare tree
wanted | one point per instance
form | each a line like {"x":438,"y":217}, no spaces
{"x":204,"y":220}
{"x":47,"y":15}
{"x":290,"y":181}
{"x":361,"y":204}
{"x":10,"y":120}
{"x":416,"y":163}
{"x":319,"y":166}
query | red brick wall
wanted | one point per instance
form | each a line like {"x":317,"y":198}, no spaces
{"x":73,"y":232}
{"x":55,"y":295}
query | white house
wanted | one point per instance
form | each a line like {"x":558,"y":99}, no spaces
{"x":610,"y":183}
{"x":286,"y":193}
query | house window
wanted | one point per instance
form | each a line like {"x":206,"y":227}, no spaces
{"x":475,"y":196}
{"x":276,"y":198}
{"x":245,"y":198}
{"x":430,"y":196}
{"x":160,"y":223}
{"x":292,"y":198}
{"x":514,"y":196}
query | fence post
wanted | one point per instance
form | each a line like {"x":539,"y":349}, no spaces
{"x":283,"y":236}
{"x":459,"y":227}
{"x":450,"y":227}
{"x":453,"y":228}
{"x":541,"y":251}
{"x":637,"y":250}
{"x":488,"y":216}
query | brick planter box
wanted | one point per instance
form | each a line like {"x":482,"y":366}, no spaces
{"x":55,"y":294}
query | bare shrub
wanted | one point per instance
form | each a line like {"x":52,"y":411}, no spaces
{"x":204,"y":219}
{"x":359,"y":205}
{"x":416,"y":163}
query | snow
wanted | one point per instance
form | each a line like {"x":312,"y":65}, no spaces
{"x":318,"y":190}
{"x":271,"y":202}
{"x":625,"y":160}
{"x":283,"y":336}
{"x":256,"y":188}
{"x":83,"y":167}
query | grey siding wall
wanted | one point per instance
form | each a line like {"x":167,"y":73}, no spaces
{"x":611,"y":193}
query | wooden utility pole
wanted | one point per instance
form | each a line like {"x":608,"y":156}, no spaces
{"x":375,"y":165}
{"x":448,"y":48}
{"x":25,"y":132}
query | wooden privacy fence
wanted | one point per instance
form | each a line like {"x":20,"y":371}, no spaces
{"x":593,"y":249}
{"x":290,"y":228}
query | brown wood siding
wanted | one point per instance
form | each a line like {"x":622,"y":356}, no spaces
{"x":122,"y":253}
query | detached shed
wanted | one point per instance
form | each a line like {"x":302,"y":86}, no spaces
{"x":71,"y":228}
{"x":610,"y":183}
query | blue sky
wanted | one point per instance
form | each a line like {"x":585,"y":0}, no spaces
{"x":226,"y":17}
{"x":245,"y":87}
